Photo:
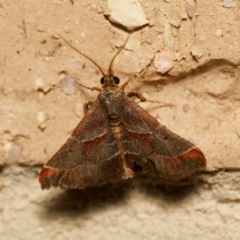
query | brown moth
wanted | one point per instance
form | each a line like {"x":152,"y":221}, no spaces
{"x":116,"y":137}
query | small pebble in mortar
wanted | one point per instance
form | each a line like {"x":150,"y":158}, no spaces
{"x":119,"y":13}
{"x":41,"y":118}
{"x":139,"y":54}
{"x":66,"y":29}
{"x":190,"y":10}
{"x":14,"y":154}
{"x":221,"y":165}
{"x":219,"y":33}
{"x":163,"y":61}
{"x":186,"y":108}
{"x":41,"y":85}
{"x":229,"y":3}
{"x":69,"y":85}
{"x":196,"y":52}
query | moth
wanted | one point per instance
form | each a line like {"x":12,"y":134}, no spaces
{"x":117,"y":138}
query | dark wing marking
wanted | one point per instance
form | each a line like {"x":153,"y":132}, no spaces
{"x":161,"y":152}
{"x":89,"y":157}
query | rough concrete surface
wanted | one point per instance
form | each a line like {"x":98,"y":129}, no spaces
{"x":40,"y":105}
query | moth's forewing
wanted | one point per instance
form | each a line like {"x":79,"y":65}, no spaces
{"x":166,"y":154}
{"x":89,"y":157}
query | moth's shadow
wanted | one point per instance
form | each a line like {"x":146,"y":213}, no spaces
{"x":76,"y":202}
{"x":170,"y":191}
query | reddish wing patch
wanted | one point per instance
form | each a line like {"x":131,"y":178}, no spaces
{"x":180,"y":166}
{"x":49,"y":177}
{"x":144,"y":139}
{"x":86,"y":145}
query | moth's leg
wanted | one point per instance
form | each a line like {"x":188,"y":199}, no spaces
{"x":90,"y":88}
{"x":137,"y":95}
{"x":87,"y":106}
{"x":136,"y":75}
{"x":143,"y":99}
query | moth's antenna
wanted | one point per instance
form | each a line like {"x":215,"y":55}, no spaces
{"x":110,"y":71}
{"x":74,"y":48}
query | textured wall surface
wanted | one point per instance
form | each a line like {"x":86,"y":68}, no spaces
{"x":40,"y":105}
{"x":206,"y":207}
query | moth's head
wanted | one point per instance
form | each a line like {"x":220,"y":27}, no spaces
{"x":109,"y":81}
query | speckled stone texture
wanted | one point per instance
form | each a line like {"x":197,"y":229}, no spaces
{"x":203,"y":207}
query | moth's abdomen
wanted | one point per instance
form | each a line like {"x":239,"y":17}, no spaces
{"x":118,"y":133}
{"x":117,"y":129}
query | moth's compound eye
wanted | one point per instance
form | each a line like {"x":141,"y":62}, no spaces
{"x":102,"y":80}
{"x":116,"y":80}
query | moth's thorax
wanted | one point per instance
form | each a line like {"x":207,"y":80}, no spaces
{"x":113,"y":101}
